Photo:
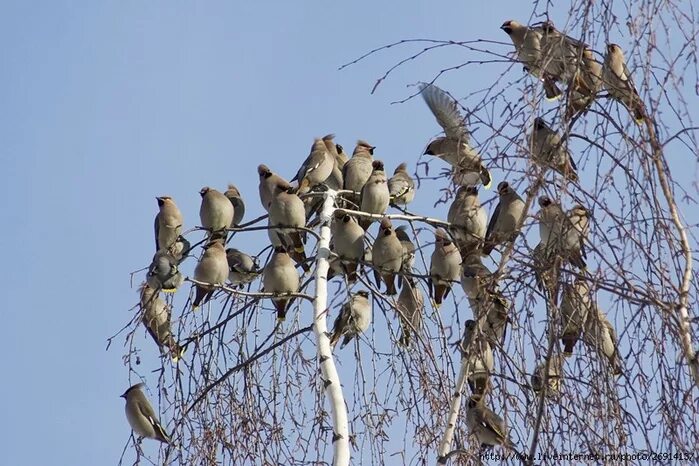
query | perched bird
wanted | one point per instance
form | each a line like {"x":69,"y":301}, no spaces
{"x":586,"y":83}
{"x":386,"y":256}
{"x":268,"y":182}
{"x":168,"y":223}
{"x":553,"y":382}
{"x":504,"y":222}
{"x":549,"y":151}
{"x":155,"y":315}
{"x":280,"y":276}
{"x":335,"y":180}
{"x":342,"y":157}
{"x":617,"y":80}
{"x":488,"y":427}
{"x":469,"y":220}
{"x":551,"y":219}
{"x":287,"y":215}
{"x":212,"y":269}
{"x":163,"y":272}
{"x":408,"y":257}
{"x":316,"y":168}
{"x":561,"y":53}
{"x":454,"y":147}
{"x":547,"y":269}
{"x":409,"y":305}
{"x":575,"y":307}
{"x":180,"y":249}
{"x":141,"y":416}
{"x":242,"y":269}
{"x":476,"y":350}
{"x":375,"y":195}
{"x":599,"y":334}
{"x":354,"y":318}
{"x":445,"y":266}
{"x":475,"y":277}
{"x":401,"y":186}
{"x":348,"y":243}
{"x":236,"y":199}
{"x":216,"y":212}
{"x":492,"y":310}
{"x":357,"y":170}
{"x":576,"y":231}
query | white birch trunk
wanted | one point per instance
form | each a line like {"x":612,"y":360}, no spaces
{"x":454,"y":409}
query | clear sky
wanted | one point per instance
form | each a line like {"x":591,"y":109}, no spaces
{"x":104,"y":105}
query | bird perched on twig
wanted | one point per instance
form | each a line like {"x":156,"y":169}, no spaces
{"x":401,"y":186}
{"x":353,"y":320}
{"x":469,"y":220}
{"x":616,"y":78}
{"x":155,"y":315}
{"x":375,"y":195}
{"x":386,"y":256}
{"x":504,"y":222}
{"x":141,"y":416}
{"x":549,"y":151}
{"x":212,"y":269}
{"x":445,"y":266}
{"x":280,"y":276}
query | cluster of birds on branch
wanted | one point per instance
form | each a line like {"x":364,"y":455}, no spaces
{"x":364,"y":194}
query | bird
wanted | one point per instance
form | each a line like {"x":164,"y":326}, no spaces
{"x":357,"y":170}
{"x":279,"y":277}
{"x":354,"y":319}
{"x":348,"y":243}
{"x":549,"y":151}
{"x":236,"y":199}
{"x":554,"y":379}
{"x":268,"y":182}
{"x":600,"y":335}
{"x":316,"y":168}
{"x":408,"y":256}
{"x":375,"y":197}
{"x":547,"y":264}
{"x":478,"y":358}
{"x":475,"y":277}
{"x":335,"y":180}
{"x":445,"y":266}
{"x":287,"y":215}
{"x":242,"y":269}
{"x":216,"y":212}
{"x":505,"y":221}
{"x":155,"y":315}
{"x":163,"y":272}
{"x":141,"y":416}
{"x":386,"y":256}
{"x":551,"y":219}
{"x":617,"y":80}
{"x":488,"y":427}
{"x":454,"y":147}
{"x":586,"y":84}
{"x":409,"y":305}
{"x":575,"y":234}
{"x":492,"y":310}
{"x":212,"y":269}
{"x":401,"y":186}
{"x":575,"y":308}
{"x":562,"y":54}
{"x":168,"y":223}
{"x":468,"y":219}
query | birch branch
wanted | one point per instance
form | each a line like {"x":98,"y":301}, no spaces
{"x":445,"y":444}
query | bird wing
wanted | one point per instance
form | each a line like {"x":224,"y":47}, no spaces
{"x":445,"y":110}
{"x":493,"y":220}
{"x":157,"y":231}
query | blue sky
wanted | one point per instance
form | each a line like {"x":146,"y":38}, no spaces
{"x":107,"y":104}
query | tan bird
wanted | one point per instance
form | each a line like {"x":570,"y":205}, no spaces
{"x":386,"y":256}
{"x":575,"y":308}
{"x":357,"y":170}
{"x":317,"y":167}
{"x":549,"y":151}
{"x":599,"y":334}
{"x":586,"y":84}
{"x":492,"y":311}
{"x":551,"y":220}
{"x":348,"y":242}
{"x":445,"y":266}
{"x":488,"y":427}
{"x":279,"y":277}
{"x":354,"y":318}
{"x":375,"y":196}
{"x":478,"y":356}
{"x":475,"y":277}
{"x":335,"y":180}
{"x":287,"y":215}
{"x":547,"y":269}
{"x":401,"y":186}
{"x":268,"y":182}
{"x":216,"y":212}
{"x":618,"y":82}
{"x":469,"y":220}
{"x":168,"y":223}
{"x":211,"y":269}
{"x":504,"y":223}
{"x":141,"y":417}
{"x":155,"y":315}
{"x":242,"y":269}
{"x":408,"y":257}
{"x":236,"y":199}
{"x":575,"y":233}
{"x":552,"y":382}
{"x":409,"y":305}
{"x":454,"y":147}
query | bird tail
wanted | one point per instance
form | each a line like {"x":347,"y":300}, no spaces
{"x":281,"y":306}
{"x":552,"y":91}
{"x":201,"y":297}
{"x":390,"y":279}
{"x":334,"y":338}
{"x":568,"y":344}
{"x":486,"y":179}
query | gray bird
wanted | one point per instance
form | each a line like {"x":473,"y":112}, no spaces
{"x":236,"y":199}
{"x":575,"y":308}
{"x":268,"y":182}
{"x":348,"y":242}
{"x":353,"y":320}
{"x":386,"y":256}
{"x":155,"y":315}
{"x":357,"y":170}
{"x":335,"y":180}
{"x":475,"y":277}
{"x":492,"y":310}
{"x":549,"y":151}
{"x":575,"y":233}
{"x":561,"y":53}
{"x":616,"y":78}
{"x":599,"y":334}
{"x":478,"y":356}
{"x":317,"y":167}
{"x":454,"y":147}
{"x":408,"y":257}
{"x":287,"y":210}
{"x":547,"y":264}
{"x":280,"y":276}
{"x":401,"y":186}
{"x":445,"y":266}
{"x":586,"y":84}
{"x":242,"y":269}
{"x":163,"y":272}
{"x":469,"y":220}
{"x":409,"y":305}
{"x":211,"y":269}
{"x":168,"y":223}
{"x":141,"y":416}
{"x":375,"y":196}
{"x":216,"y":212}
{"x":488,"y":427}
{"x":504,"y":222}
{"x":553,"y":382}
{"x":551,"y":220}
